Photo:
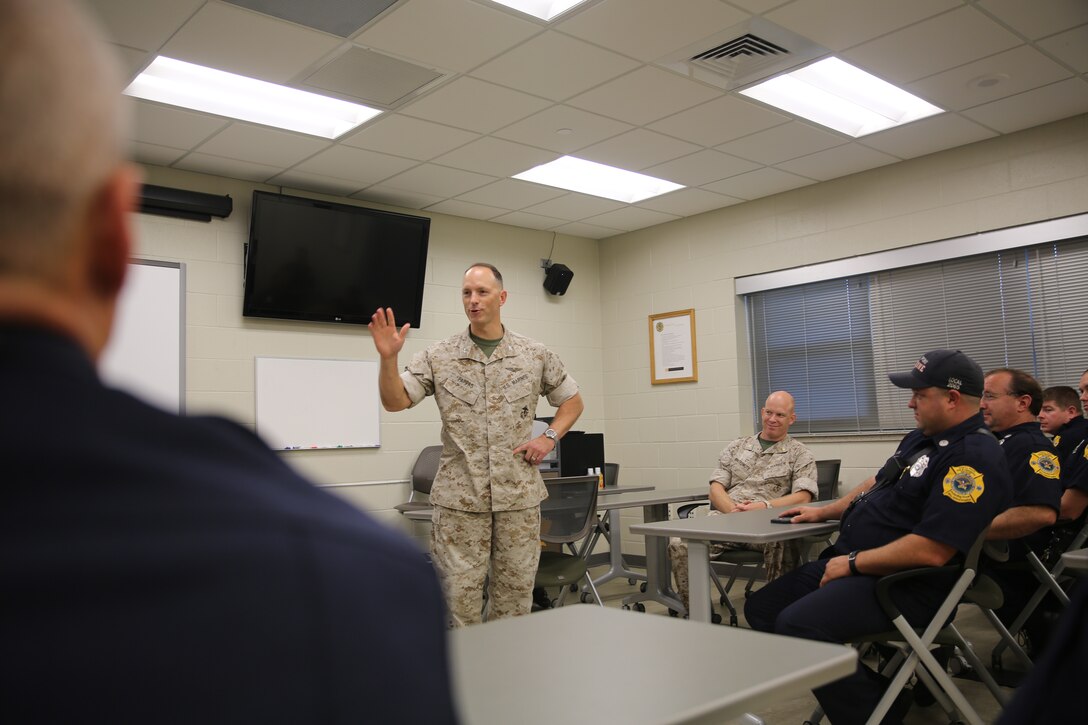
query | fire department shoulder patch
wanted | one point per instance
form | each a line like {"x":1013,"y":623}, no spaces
{"x":1045,"y":464}
{"x":963,"y":484}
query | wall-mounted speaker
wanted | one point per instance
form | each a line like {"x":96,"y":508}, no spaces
{"x":557,"y":278}
{"x":182,"y":204}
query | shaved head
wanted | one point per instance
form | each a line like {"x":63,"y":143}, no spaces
{"x":778,"y":415}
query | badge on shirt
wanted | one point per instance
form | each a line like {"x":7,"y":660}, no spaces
{"x":1057,"y":440}
{"x":963,"y":484}
{"x":919,"y":467}
{"x":1045,"y":464}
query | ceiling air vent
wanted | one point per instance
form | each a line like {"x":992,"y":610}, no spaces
{"x":744,"y":54}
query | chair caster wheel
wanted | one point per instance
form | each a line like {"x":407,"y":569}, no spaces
{"x":626,"y":607}
{"x":733,"y":622}
{"x":632,"y":581}
{"x":642,"y":587}
{"x":584,"y":598}
{"x":573,"y":588}
{"x":640,"y":607}
{"x":674,"y":613}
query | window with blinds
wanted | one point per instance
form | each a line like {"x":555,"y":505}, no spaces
{"x":831,"y":343}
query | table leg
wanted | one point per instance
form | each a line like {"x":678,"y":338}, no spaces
{"x":657,"y":565}
{"x":617,"y":566}
{"x":699,"y":580}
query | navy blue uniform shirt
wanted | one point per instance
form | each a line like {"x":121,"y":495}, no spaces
{"x":1070,"y":438}
{"x":1033,"y":463}
{"x":949,"y":494}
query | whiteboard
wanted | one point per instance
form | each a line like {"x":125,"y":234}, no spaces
{"x":305,"y":404}
{"x":145,"y":354}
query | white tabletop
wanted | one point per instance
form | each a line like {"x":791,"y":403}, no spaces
{"x":556,"y":666}
{"x":655,"y":497}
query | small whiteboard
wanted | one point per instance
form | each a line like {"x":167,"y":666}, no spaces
{"x":145,"y":352}
{"x":305,"y":404}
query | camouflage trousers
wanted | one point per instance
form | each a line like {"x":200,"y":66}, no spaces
{"x":778,"y":558}
{"x":466,"y":546}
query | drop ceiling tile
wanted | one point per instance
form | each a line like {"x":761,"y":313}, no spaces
{"x":687,"y":202}
{"x":456,"y":207}
{"x":168,"y":126}
{"x":644,"y":95}
{"x":315,"y":182}
{"x":406,"y":136}
{"x":358,"y":165}
{"x":637,"y":149}
{"x":649,"y":29}
{"x":259,"y":144}
{"x":529,"y":221}
{"x":1042,"y":105}
{"x":131,"y":61}
{"x":1038,"y":20}
{"x":588,"y":231}
{"x":758,"y":183}
{"x":339,"y":18}
{"x":782,"y":143}
{"x":241,"y":41}
{"x":949,"y":40}
{"x":149,"y":153}
{"x":555,"y":66}
{"x":936,"y":133}
{"x":720,"y":120}
{"x":437,"y":180}
{"x":630,"y":218}
{"x":759,"y":7}
{"x":701,"y":167}
{"x":841,"y":24}
{"x":836,"y":162}
{"x":1070,"y":47}
{"x":495,"y":157}
{"x":456,"y":35}
{"x":574,"y":206}
{"x":543,"y":129}
{"x":128,"y":22}
{"x":998,"y":76}
{"x":512,"y":194}
{"x":381,"y":194}
{"x":474,"y":105}
{"x":230,"y":168}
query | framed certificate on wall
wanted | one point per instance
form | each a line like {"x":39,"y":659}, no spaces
{"x":672,"y":348}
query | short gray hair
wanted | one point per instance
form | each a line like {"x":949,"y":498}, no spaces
{"x":61,"y":129}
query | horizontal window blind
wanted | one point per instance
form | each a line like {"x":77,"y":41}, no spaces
{"x":832,"y":343}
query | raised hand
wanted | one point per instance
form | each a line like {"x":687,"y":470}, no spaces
{"x":388,"y":341}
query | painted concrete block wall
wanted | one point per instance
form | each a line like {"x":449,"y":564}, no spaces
{"x":670,"y":435}
{"x":221,"y":344}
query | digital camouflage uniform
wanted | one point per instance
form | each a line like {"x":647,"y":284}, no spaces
{"x":750,"y":473}
{"x":487,"y":500}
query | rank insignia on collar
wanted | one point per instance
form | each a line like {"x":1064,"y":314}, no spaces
{"x":919,"y":467}
{"x":963,"y":484}
{"x":1045,"y":464}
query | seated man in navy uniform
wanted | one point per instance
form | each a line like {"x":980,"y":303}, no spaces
{"x":1011,"y":401}
{"x":157,"y":568}
{"x":1074,"y":444}
{"x":926,"y":507}
{"x":1061,"y":417}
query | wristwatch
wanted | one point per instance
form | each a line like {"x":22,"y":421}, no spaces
{"x":551,"y":434}
{"x":852,"y":560}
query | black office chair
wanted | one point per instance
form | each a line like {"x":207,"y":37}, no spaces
{"x":566,"y":517}
{"x":423,"y":473}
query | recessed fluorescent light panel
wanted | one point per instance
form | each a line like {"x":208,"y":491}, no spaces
{"x":834,"y":93}
{"x":543,"y":9}
{"x":588,"y":177}
{"x":188,"y":85}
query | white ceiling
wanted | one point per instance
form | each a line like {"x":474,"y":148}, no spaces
{"x":514,"y":92}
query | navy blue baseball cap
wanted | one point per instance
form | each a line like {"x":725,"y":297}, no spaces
{"x":949,"y":369}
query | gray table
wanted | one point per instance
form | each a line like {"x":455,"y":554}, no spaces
{"x":655,"y":507}
{"x":559,"y":666}
{"x":425,"y":514}
{"x":751,"y":527}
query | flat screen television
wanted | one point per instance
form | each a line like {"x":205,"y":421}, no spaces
{"x":317,"y":260}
